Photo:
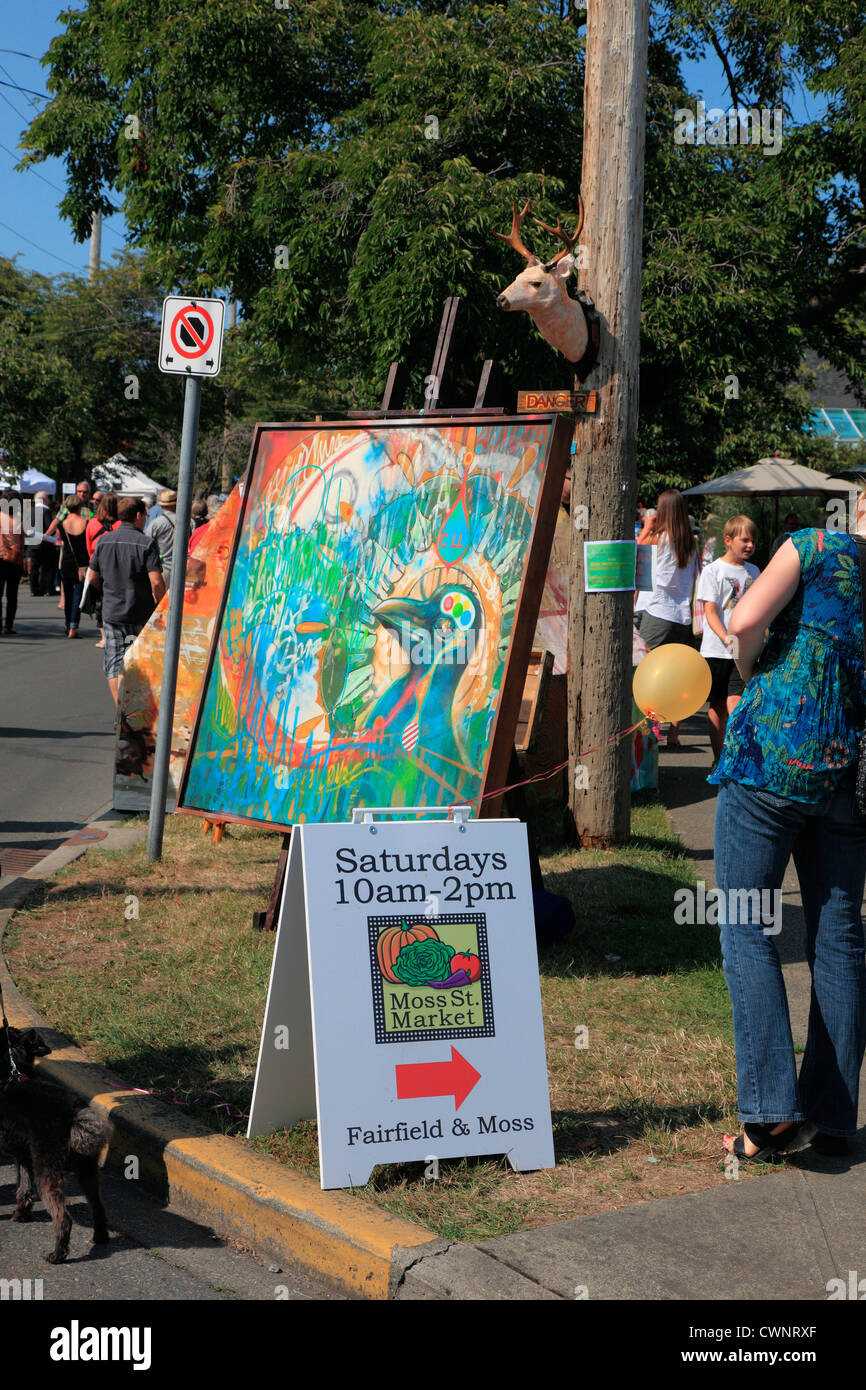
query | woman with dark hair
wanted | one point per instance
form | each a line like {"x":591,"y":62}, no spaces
{"x":11,"y":554}
{"x":666,"y":612}
{"x":787,"y":774}
{"x":73,"y":561}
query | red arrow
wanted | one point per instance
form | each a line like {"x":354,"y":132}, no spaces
{"x":419,"y":1080}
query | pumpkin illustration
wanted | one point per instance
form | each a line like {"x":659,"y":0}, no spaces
{"x":392,"y":941}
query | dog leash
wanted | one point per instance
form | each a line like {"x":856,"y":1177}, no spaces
{"x":13,"y":1070}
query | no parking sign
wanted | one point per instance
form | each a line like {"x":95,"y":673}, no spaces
{"x":191,"y":341}
{"x":190,"y":345}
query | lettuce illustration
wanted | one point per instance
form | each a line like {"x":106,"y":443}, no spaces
{"x":422,"y":962}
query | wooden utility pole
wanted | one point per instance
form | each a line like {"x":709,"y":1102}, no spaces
{"x":226,"y":464}
{"x":95,"y":245}
{"x":604,"y":465}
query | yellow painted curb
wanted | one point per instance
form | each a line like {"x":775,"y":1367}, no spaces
{"x":244,"y":1195}
{"x":268,"y":1204}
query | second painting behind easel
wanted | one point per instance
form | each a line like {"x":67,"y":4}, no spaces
{"x":381,"y":573}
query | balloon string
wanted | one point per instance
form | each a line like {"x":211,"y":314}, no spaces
{"x":584,"y":753}
{"x":175,"y":1091}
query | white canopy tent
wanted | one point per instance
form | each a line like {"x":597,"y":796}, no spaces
{"x":118,"y":476}
{"x":773,"y":477}
{"x":32,"y":480}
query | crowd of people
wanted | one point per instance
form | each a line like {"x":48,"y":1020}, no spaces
{"x":105,"y":554}
{"x":694,"y":595}
{"x":787,"y":710}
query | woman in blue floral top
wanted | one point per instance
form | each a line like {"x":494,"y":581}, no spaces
{"x":786,"y":779}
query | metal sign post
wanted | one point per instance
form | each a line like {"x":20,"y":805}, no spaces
{"x":190,"y":345}
{"x":189,"y":439}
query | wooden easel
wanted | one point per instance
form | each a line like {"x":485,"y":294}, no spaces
{"x":267,"y":920}
{"x":491,"y":384}
{"x":217,"y":826}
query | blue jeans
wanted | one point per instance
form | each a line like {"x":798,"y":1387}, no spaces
{"x":756,"y":833}
{"x":73,"y":588}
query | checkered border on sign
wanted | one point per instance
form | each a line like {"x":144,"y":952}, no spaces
{"x":486,"y":1030}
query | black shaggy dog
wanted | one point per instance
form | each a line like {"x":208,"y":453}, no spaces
{"x":48,"y":1134}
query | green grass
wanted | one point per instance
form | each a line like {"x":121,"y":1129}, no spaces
{"x":174,"y":1001}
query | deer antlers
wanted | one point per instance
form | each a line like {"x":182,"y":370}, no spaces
{"x":514,"y":240}
{"x":558,"y":231}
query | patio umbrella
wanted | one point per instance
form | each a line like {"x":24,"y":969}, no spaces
{"x":854,"y":475}
{"x":773,"y":478}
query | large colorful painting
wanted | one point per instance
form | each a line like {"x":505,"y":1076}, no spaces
{"x":138,"y":696}
{"x":384,"y":576}
{"x":551,"y":634}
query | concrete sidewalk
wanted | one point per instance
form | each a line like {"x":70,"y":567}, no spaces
{"x":782,"y":1236}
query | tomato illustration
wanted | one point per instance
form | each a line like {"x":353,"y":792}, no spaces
{"x":471,"y":964}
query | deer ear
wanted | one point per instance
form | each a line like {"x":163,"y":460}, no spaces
{"x":564,"y":267}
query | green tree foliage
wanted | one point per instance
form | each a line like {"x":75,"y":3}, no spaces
{"x":343,"y":167}
{"x":78,"y":377}
{"x":29,"y":373}
{"x":777,"y":252}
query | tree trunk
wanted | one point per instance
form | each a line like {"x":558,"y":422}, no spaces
{"x":225,"y":461}
{"x":604,"y":464}
{"x":76,"y":445}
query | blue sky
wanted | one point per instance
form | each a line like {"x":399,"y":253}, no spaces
{"x":28,"y":201}
{"x":30,"y":226}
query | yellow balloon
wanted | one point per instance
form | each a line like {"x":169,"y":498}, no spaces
{"x":671,"y":682}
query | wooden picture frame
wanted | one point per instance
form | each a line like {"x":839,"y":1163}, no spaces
{"x":284,"y":628}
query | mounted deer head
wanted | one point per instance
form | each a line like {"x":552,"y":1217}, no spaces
{"x":541,"y":290}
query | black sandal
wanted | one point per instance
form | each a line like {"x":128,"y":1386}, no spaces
{"x":769,"y":1144}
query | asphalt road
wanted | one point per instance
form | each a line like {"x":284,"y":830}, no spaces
{"x":56,"y":752}
{"x":56,"y":727}
{"x":155,"y":1254}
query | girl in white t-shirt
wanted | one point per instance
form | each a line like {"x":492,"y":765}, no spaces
{"x":666,"y":612}
{"x":721,"y":587}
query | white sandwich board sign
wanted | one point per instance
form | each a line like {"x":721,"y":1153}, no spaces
{"x":404,"y":1009}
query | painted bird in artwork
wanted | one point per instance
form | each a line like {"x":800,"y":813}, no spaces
{"x":438,"y":636}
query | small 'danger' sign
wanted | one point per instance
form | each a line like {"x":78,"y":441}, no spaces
{"x":422,"y":1024}
{"x":571,"y":402}
{"x":191,"y":341}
